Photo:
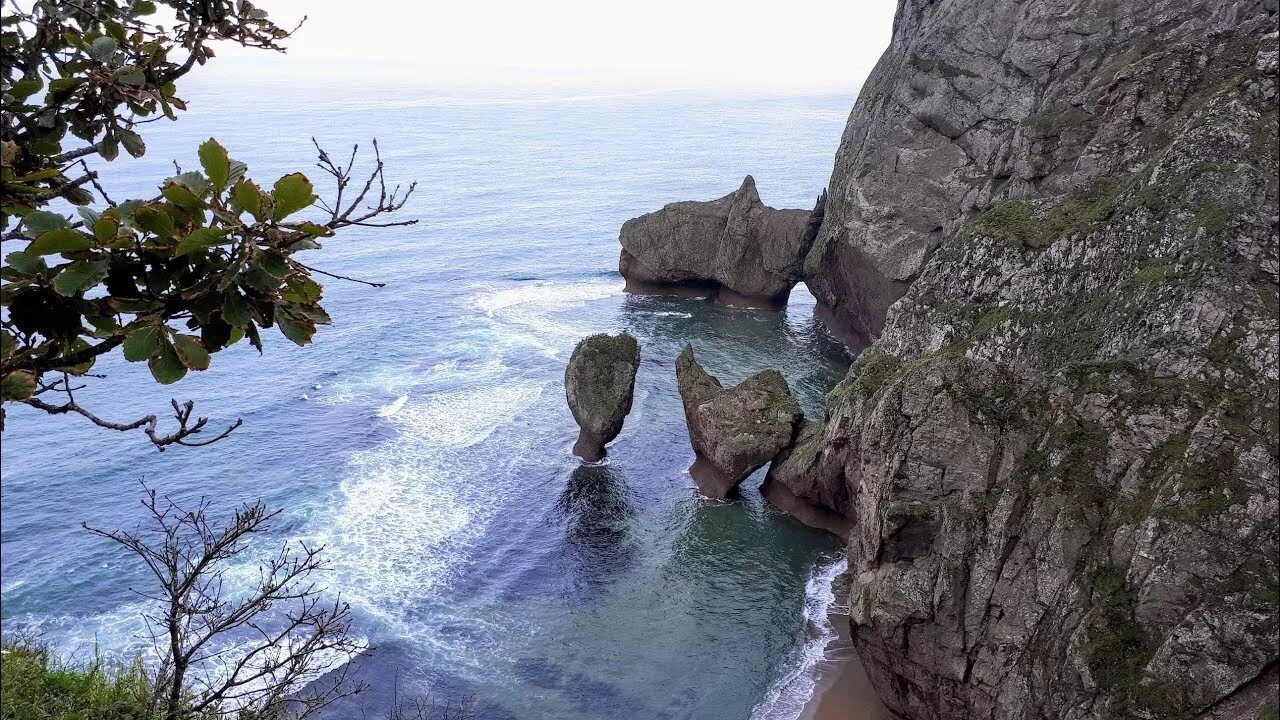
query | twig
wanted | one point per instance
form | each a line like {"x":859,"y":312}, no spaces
{"x":340,"y":277}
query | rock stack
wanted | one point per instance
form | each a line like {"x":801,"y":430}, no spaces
{"x":599,"y":383}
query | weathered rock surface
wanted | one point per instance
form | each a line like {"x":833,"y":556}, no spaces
{"x":599,"y":383}
{"x":803,"y":483}
{"x":735,"y":245}
{"x":734,"y":431}
{"x":1061,"y":456}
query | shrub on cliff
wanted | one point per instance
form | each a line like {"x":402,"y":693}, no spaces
{"x":38,"y":685}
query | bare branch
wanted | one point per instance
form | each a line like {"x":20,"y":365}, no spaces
{"x":182,"y":413}
{"x":261,"y":654}
{"x":340,"y":277}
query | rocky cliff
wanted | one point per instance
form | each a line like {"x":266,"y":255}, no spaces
{"x":1058,"y":220}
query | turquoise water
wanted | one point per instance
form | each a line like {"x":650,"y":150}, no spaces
{"x":424,"y":437}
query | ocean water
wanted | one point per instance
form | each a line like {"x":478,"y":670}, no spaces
{"x":424,"y":439}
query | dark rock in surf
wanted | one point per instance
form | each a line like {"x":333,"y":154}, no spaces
{"x":734,"y":431}
{"x":735,"y":248}
{"x":599,"y":383}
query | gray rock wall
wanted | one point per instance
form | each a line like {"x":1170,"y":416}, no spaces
{"x":1060,"y":221}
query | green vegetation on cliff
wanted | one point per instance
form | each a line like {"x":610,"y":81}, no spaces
{"x":38,"y":686}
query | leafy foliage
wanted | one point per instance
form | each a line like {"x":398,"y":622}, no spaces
{"x":169,"y":280}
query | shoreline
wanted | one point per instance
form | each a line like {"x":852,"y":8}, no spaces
{"x":841,"y":689}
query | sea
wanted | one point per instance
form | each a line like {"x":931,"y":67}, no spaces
{"x":423,"y":439}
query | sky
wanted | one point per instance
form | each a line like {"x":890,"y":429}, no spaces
{"x":800,"y":44}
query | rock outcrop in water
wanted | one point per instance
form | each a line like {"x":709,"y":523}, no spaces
{"x":734,"y":246}
{"x":803,"y":483}
{"x":734,"y":431}
{"x":1060,"y":457}
{"x":599,"y":383}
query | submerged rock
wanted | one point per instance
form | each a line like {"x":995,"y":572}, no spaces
{"x":734,"y":246}
{"x":734,"y":431}
{"x":599,"y":383}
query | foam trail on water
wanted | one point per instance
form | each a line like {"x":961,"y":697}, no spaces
{"x":530,"y":307}
{"x":409,"y":507}
{"x":786,"y":698}
{"x":393,"y":407}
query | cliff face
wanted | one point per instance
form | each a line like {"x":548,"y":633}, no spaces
{"x":978,"y":102}
{"x":1060,"y":455}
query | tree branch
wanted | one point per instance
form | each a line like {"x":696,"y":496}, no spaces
{"x":182,"y":413}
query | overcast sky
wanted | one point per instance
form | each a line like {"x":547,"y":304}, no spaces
{"x":796,"y":44}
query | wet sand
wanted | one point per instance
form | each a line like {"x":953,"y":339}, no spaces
{"x":843,"y":691}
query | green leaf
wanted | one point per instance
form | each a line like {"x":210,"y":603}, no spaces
{"x":106,"y":228}
{"x":132,"y":76}
{"x":246,"y":197}
{"x":153,"y":221}
{"x":103,"y":322}
{"x":235,"y":310}
{"x":142,"y":343}
{"x":182,"y":196}
{"x":26,"y":87}
{"x":22,"y":262}
{"x":199,"y":239}
{"x":102,"y":48}
{"x":315,"y":230}
{"x":251,"y":332}
{"x":292,"y":193}
{"x":194,"y":180}
{"x":216,"y":164}
{"x":89,"y":216}
{"x":58,"y":241}
{"x":7,"y":343}
{"x":165,"y":365}
{"x":18,"y":385}
{"x":128,"y":207}
{"x":65,"y":85}
{"x":73,"y":347}
{"x":274,"y":264}
{"x":237,"y":172}
{"x":299,"y":330}
{"x":42,"y":221}
{"x":79,"y":276}
{"x":133,"y":143}
{"x":214,"y":334}
{"x":109,"y":148}
{"x":191,"y":352}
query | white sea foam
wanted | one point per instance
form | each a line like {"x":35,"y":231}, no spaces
{"x":410,"y":505}
{"x":786,"y":698}
{"x":535,"y":308}
{"x":464,"y":418}
{"x":120,"y":630}
{"x":393,"y":407}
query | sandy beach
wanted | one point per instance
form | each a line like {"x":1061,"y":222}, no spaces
{"x":843,"y":691}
